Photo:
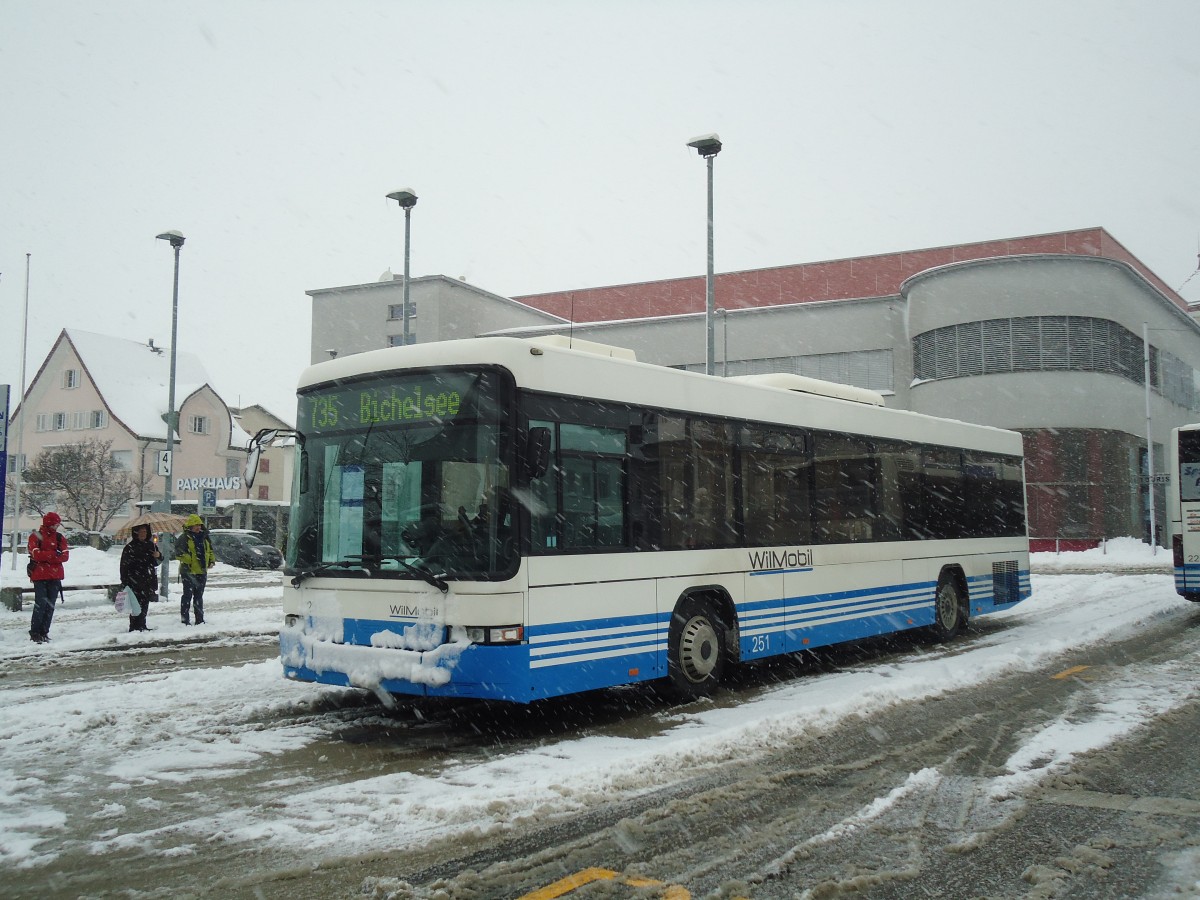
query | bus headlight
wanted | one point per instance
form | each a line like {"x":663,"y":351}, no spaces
{"x":496,"y":634}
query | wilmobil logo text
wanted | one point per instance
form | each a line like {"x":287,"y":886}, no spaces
{"x":404,"y":611}
{"x":772,"y":560}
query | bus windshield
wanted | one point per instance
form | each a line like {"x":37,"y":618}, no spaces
{"x":404,"y":476}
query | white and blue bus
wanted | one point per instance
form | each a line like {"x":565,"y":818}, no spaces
{"x":523,"y":519}
{"x":1183,"y":509}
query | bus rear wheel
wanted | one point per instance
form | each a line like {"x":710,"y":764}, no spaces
{"x":695,"y":652}
{"x":950,"y":610}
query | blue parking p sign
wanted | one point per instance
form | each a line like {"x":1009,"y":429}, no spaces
{"x":208,"y":501}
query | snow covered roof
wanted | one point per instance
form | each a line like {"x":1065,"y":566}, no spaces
{"x":134,"y":379}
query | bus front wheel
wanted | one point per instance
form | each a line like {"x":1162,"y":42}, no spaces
{"x":950,"y":610}
{"x":695,"y":654}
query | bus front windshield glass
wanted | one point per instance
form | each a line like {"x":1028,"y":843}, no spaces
{"x":406,"y":476}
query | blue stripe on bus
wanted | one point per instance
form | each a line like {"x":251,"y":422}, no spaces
{"x":1187,"y":579}
{"x":780,"y":571}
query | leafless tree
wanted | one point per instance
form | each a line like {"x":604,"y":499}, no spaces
{"x":82,"y":482}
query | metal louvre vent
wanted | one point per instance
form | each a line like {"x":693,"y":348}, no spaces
{"x":1006,"y":582}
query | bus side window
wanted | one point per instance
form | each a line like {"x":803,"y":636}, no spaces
{"x":846,"y":475}
{"x":542,"y":502}
{"x":579,"y":502}
{"x":776,"y":485}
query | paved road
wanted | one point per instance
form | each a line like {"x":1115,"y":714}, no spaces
{"x":1124,"y":822}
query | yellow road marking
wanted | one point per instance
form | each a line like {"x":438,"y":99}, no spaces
{"x":1067,"y":673}
{"x":568,"y":884}
{"x":587,"y":876}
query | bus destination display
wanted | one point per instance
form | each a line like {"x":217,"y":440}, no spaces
{"x":411,"y":401}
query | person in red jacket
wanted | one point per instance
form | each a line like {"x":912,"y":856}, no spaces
{"x":48,"y":550}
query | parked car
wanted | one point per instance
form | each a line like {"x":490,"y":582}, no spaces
{"x":244,"y":548}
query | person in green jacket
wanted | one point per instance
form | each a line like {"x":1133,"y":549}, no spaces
{"x":195,"y":554}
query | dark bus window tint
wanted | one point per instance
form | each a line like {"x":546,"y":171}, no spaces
{"x":899,"y":463}
{"x":695,"y":484}
{"x":1189,"y":446}
{"x":939,"y":511}
{"x":845,"y":473}
{"x":993,"y":499}
{"x":776,"y":487}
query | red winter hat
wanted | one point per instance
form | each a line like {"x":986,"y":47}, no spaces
{"x":51,"y":518}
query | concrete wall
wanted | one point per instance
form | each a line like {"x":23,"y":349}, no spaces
{"x":355,"y":319}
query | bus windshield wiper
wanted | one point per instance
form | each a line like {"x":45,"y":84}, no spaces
{"x":323,"y":567}
{"x":421,"y":572}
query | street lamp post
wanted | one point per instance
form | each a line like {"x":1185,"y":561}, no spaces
{"x":708,"y":146}
{"x":176,"y":240}
{"x":724,"y":314}
{"x":1149,"y":437}
{"x":407,"y":200}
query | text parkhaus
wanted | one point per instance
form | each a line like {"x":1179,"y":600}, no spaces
{"x":232,"y":483}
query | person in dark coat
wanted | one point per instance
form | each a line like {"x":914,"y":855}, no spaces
{"x":139,"y":572}
{"x":48,"y":550}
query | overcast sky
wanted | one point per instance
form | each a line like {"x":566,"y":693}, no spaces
{"x":546,"y":141}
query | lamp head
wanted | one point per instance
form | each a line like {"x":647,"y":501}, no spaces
{"x":174,"y":237}
{"x":707,"y":145}
{"x":405,"y":197}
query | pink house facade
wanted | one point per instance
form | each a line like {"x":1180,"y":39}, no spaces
{"x":94,"y":386}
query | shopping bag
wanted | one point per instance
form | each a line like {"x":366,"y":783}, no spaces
{"x":132,"y":605}
{"x":121,"y":599}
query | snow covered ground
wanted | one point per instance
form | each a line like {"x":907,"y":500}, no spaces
{"x":152,"y":725}
{"x":86,"y":620}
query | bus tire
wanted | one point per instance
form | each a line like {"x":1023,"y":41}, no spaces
{"x":695,"y":651}
{"x":950,"y":607}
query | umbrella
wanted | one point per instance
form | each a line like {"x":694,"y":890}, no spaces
{"x":158,"y":521}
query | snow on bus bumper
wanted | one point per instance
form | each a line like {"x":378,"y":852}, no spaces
{"x":456,"y":668}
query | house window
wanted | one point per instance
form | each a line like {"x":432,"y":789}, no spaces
{"x":123,"y":459}
{"x":71,"y":379}
{"x":264,"y":492}
{"x":232,"y":467}
{"x":60,"y":422}
{"x":396,"y":310}
{"x":397,"y":340}
{"x":264,"y":466}
{"x":17,"y":462}
{"x":199,"y":424}
{"x":78,"y":420}
{"x":45,"y":422}
{"x":99,"y":418}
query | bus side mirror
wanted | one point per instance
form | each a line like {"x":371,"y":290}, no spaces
{"x":537,"y":452}
{"x":255,"y":449}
